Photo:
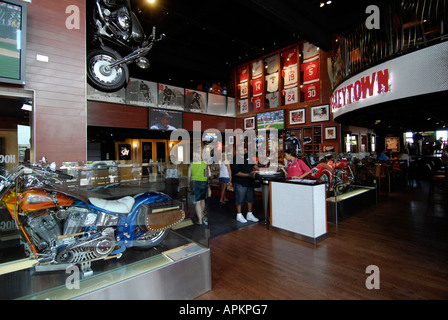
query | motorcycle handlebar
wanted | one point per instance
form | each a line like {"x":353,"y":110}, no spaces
{"x":63,"y":175}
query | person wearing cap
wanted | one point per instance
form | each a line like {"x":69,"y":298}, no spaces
{"x":164,"y":122}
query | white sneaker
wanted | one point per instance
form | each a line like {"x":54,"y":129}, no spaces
{"x":240,"y":218}
{"x":251,"y":217}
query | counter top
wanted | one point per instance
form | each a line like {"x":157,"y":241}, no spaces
{"x":308,"y":182}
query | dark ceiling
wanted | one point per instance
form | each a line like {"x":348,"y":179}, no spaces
{"x":206,"y":39}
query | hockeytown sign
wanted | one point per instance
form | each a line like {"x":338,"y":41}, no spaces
{"x":358,"y":90}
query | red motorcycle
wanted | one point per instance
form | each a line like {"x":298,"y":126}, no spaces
{"x":338,"y":176}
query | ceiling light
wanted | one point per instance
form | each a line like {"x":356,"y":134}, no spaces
{"x":329,"y":2}
{"x":322,"y":4}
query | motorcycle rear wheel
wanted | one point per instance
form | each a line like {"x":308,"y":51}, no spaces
{"x":150,"y":240}
{"x":102,"y":78}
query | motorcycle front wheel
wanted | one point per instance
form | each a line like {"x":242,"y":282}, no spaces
{"x":150,"y":240}
{"x":100,"y":76}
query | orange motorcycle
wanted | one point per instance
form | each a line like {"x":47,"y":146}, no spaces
{"x":63,"y":227}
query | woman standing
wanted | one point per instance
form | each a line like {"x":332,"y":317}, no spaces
{"x":225,"y":177}
{"x":198,"y":173}
{"x":297,"y":169}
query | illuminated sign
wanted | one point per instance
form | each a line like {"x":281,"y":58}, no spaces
{"x":417,"y":73}
{"x":363,"y":88}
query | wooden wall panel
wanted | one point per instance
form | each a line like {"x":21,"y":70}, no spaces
{"x":209,"y":121}
{"x":60,"y":84}
{"x":117,"y":115}
{"x":103,"y":114}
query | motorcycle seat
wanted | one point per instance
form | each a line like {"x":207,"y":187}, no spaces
{"x":123,"y":205}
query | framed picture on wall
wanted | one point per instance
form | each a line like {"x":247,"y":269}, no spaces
{"x":320,"y":113}
{"x":392,"y":143}
{"x":124,"y":152}
{"x":297,"y":116}
{"x":330,"y":133}
{"x":249,"y":123}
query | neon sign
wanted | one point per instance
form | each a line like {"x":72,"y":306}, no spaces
{"x":368,"y":86}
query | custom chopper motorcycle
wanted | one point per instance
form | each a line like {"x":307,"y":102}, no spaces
{"x":338,"y":175}
{"x":115,"y":39}
{"x":61,"y":227}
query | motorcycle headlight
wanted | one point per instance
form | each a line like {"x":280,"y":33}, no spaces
{"x":124,"y":20}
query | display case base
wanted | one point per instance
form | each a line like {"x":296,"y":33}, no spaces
{"x":346,"y":205}
{"x":184,"y":279}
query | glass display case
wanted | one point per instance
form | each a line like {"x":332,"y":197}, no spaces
{"x":353,"y":186}
{"x":176,"y":268}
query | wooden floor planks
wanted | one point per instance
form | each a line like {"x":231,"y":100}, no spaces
{"x":403,"y":235}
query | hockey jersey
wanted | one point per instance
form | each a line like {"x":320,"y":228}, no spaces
{"x":257,"y":69}
{"x":244,"y":90}
{"x":242,"y":73}
{"x":310,"y":71}
{"x":311,"y":91}
{"x":244,"y":105}
{"x":272,"y":99}
{"x":271,"y":64}
{"x":310,"y":52}
{"x":290,"y":57}
{"x":291,"y":95}
{"x":257,"y":86}
{"x":272,"y":82}
{"x":257,"y":103}
{"x":290,"y":76}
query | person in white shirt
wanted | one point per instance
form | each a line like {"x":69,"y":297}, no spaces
{"x":225,"y":178}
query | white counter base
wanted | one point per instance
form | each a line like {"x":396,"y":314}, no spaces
{"x":299,"y":210}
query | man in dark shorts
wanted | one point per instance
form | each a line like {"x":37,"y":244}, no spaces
{"x":243,"y":183}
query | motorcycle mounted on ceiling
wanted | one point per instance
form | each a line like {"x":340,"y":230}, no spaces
{"x":115,"y":40}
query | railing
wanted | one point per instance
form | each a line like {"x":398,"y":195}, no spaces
{"x":405,"y":25}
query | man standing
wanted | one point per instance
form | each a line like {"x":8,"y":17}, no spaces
{"x":243,"y":183}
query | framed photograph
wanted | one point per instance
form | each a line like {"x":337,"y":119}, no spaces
{"x":320,"y":113}
{"x":330,"y":133}
{"x":249,"y":123}
{"x":171,"y":97}
{"x":392,"y":143}
{"x":297,"y":116}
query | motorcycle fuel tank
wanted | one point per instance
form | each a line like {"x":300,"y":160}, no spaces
{"x":38,"y":199}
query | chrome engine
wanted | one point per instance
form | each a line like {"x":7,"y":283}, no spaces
{"x":72,"y":235}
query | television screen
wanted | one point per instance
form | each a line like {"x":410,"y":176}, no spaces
{"x":163,"y":119}
{"x":271,"y":120}
{"x":12,"y":41}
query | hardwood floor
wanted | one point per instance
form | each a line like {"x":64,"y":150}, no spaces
{"x":403,"y":235}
